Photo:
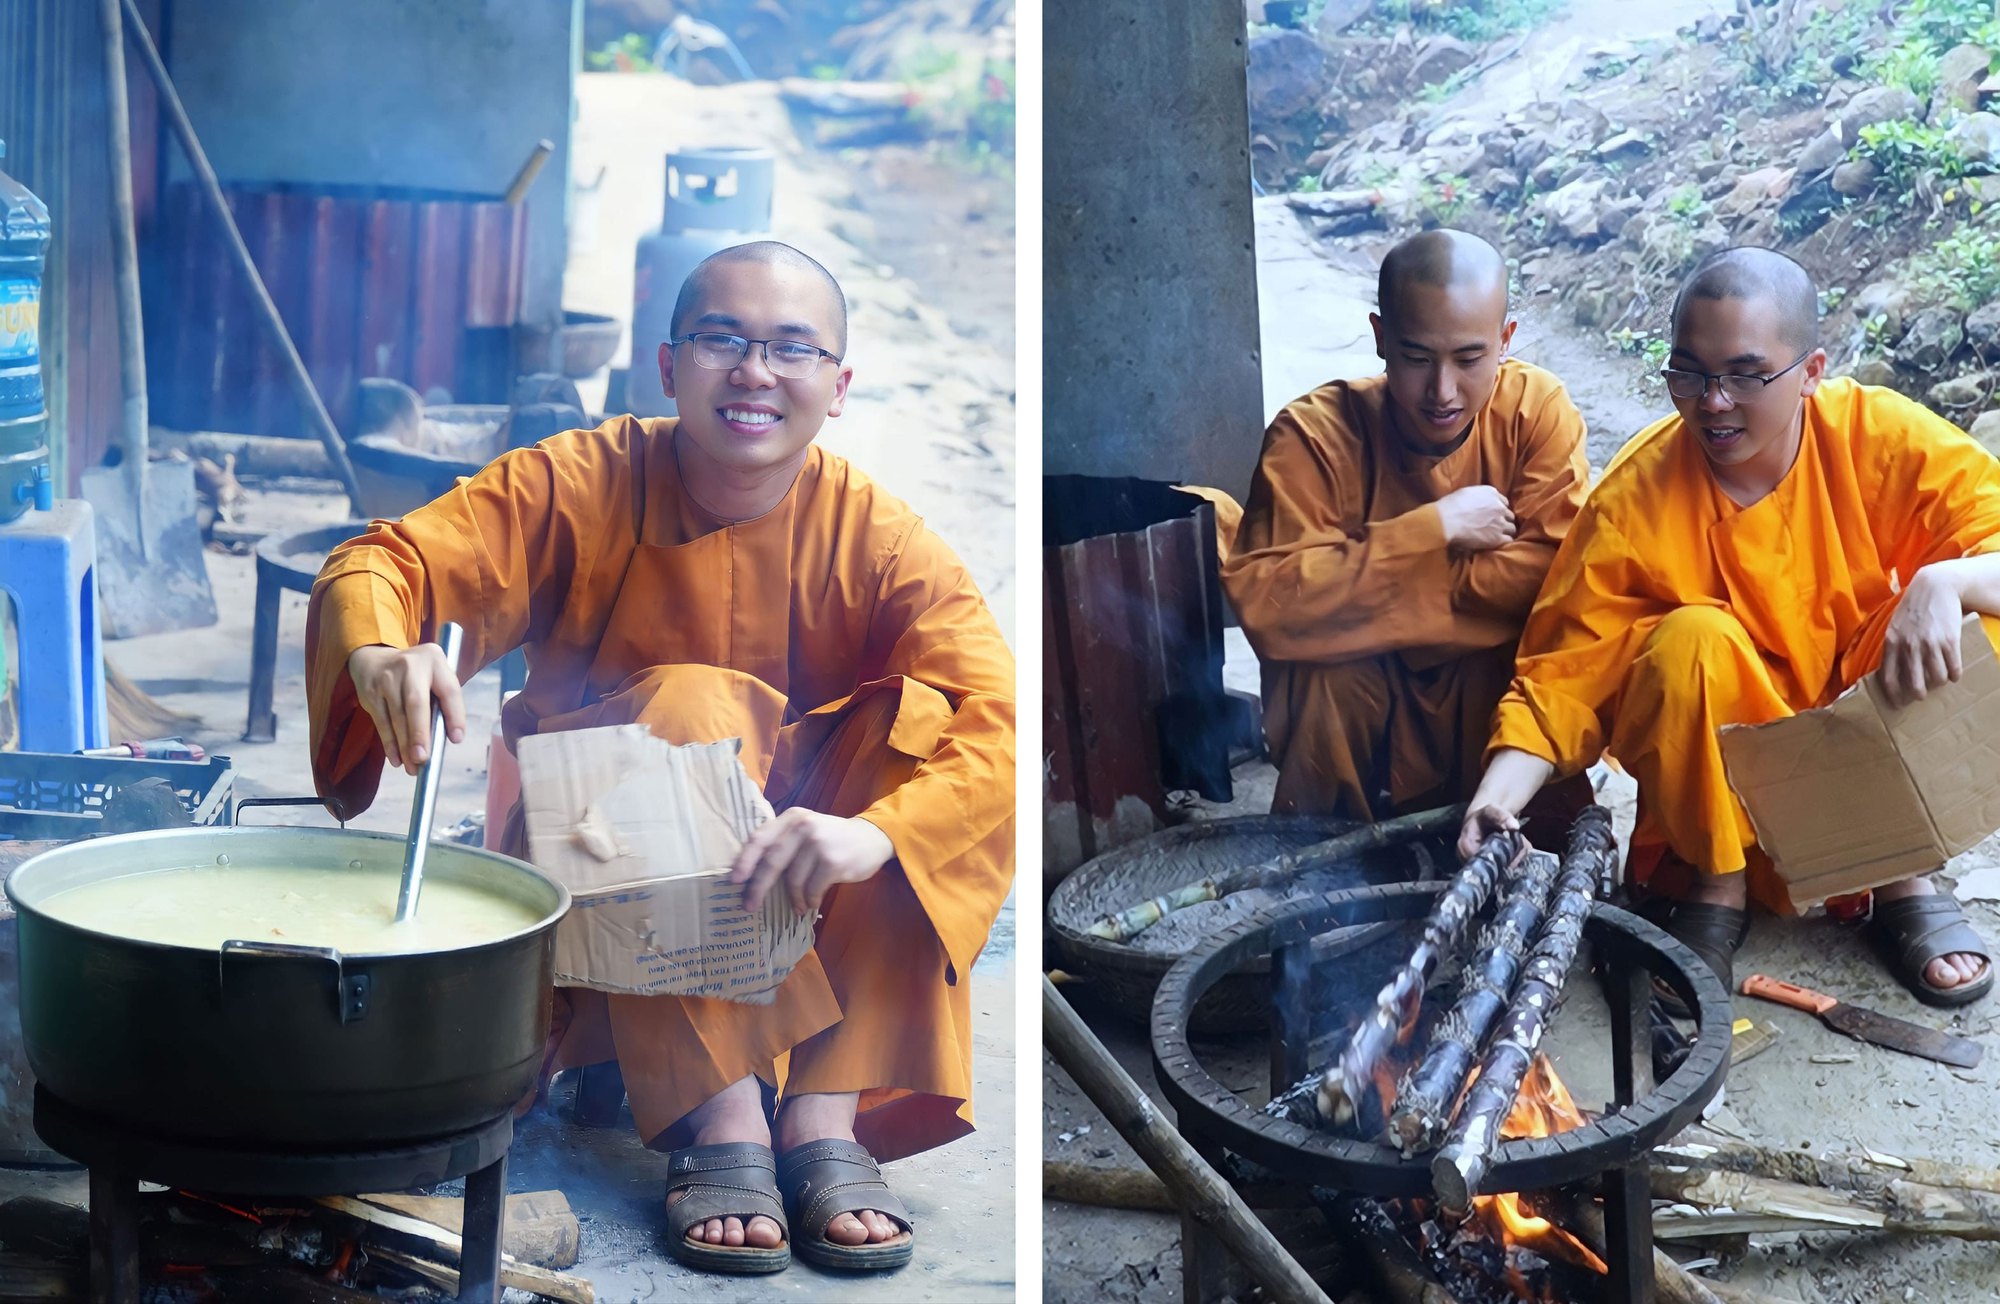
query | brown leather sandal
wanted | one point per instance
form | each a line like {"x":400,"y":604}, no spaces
{"x":734,"y":1179}
{"x":824,"y":1179}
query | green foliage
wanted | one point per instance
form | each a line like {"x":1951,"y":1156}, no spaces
{"x":1903,"y":151}
{"x":1468,"y":20}
{"x":1960,"y":271}
{"x":1687,"y":206}
{"x":1941,"y":24}
{"x":1443,"y":199}
{"x":632,"y":52}
{"x":1913,"y":65}
{"x":1307,"y":184}
{"x":1827,"y":32}
{"x":1653,"y":349}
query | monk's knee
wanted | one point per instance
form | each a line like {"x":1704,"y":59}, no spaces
{"x":1689,"y":645}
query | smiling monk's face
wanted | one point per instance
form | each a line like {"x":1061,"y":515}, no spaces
{"x":1441,"y":333}
{"x":745,"y":415}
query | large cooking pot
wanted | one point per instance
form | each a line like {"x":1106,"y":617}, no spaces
{"x":282,"y":1045}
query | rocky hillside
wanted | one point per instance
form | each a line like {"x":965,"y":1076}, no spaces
{"x":1859,"y":137}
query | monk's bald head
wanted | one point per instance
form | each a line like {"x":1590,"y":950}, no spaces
{"x":1761,"y":276}
{"x":1466,"y":268}
{"x":765,"y":253}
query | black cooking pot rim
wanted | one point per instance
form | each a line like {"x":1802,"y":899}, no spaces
{"x":20,"y":907}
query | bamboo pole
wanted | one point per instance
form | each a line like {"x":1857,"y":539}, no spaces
{"x":133,"y":429}
{"x":1198,"y":1188}
{"x":266,"y":311}
{"x":1847,"y":1172}
{"x":1126,"y":924}
{"x":1910,"y":1208}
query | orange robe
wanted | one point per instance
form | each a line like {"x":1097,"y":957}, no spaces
{"x":1672,"y":611}
{"x":835,"y":635}
{"x":1383,"y":650}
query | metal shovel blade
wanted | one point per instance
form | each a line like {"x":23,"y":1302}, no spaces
{"x":163,"y":585}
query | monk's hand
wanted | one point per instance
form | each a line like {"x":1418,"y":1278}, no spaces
{"x":805,"y":855}
{"x":396,"y":687}
{"x":1920,"y":649}
{"x":1476,"y":518}
{"x":1481,"y":823}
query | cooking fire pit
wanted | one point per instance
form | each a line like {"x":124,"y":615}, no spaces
{"x":1288,"y":1163}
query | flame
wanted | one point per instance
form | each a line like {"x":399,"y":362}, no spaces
{"x":1542,"y":1108}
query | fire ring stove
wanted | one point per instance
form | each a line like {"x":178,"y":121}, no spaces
{"x":120,"y":1157}
{"x":1611,"y":1151}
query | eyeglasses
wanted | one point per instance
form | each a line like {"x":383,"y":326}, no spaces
{"x":792,"y":359}
{"x":1737,"y":389}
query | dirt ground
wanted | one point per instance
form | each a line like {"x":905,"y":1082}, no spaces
{"x":1314,"y":300}
{"x":932,"y":416}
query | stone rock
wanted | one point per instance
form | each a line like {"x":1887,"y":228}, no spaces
{"x":1820,"y":153}
{"x":1614,"y":217}
{"x":1501,"y":181}
{"x":1596,"y":306}
{"x":1576,"y":209}
{"x":1499,"y":150}
{"x":1753,"y":190}
{"x":1317,"y":160}
{"x":1875,"y":371}
{"x":1960,"y":392}
{"x":1933,"y":336}
{"x":1977,"y":136}
{"x":1625,"y":147}
{"x":1710,"y":170}
{"x":1288,"y":75}
{"x":1887,"y":300}
{"x":1986,"y":429}
{"x":1877,"y":104}
{"x":1984,"y":189}
{"x":1584,"y":117}
{"x":1989,"y":90}
{"x":1439,"y":59}
{"x":1339,"y":15}
{"x":1532,"y":149}
{"x":1982,"y":328}
{"x":1960,"y":74}
{"x":1855,"y":177}
{"x":1548,"y":174}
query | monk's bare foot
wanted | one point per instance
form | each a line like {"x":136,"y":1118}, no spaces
{"x":822,"y":1116}
{"x":1948,"y":971}
{"x":736,"y":1113}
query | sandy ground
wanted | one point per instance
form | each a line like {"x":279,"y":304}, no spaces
{"x":933,"y":417}
{"x":1314,"y":301}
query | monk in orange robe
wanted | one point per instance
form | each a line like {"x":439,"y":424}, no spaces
{"x":1396,"y":533}
{"x":1747,"y":558}
{"x":717,"y":575}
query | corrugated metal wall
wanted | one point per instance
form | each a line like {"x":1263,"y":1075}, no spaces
{"x":52,"y":116}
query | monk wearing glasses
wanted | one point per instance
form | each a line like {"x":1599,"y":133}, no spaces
{"x":1753,"y":555}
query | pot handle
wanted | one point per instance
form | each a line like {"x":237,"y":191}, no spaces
{"x":242,"y":803}
{"x":350,"y":990}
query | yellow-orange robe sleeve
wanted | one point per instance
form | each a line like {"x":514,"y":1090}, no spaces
{"x":1546,"y":493}
{"x":1596,"y":609}
{"x":500,"y":553}
{"x":1940,"y":494}
{"x":1307,"y":590}
{"x":952,"y":823}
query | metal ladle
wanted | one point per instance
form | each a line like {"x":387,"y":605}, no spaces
{"x":449,"y":638}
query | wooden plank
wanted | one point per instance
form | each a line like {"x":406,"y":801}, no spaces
{"x":541,"y":1281}
{"x":541,"y":1227}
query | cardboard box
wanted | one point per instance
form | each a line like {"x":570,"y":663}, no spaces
{"x":643,"y":833}
{"x":1858,"y":793}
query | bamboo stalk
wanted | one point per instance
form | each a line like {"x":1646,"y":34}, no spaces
{"x":1467,"y":1152}
{"x":1424,"y":1100}
{"x":1346,"y":1085}
{"x":1197,"y":1188}
{"x":1124,"y":925}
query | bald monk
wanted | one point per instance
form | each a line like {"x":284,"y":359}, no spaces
{"x":718,"y":576}
{"x":1396,"y":533}
{"x":1753,"y":555}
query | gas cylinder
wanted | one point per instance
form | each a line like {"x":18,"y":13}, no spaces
{"x":24,"y":420}
{"x":715,"y":198}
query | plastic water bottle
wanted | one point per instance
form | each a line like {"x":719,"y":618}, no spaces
{"x":24,"y":418}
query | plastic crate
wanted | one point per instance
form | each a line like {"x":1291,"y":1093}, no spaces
{"x":51,"y":795}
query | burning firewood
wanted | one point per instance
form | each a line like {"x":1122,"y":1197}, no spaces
{"x":1368,"y":1228}
{"x":1126,"y":924}
{"x":1425,"y":1099}
{"x":1462,"y":1161}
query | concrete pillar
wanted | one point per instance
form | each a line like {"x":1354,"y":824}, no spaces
{"x":1150,"y":344}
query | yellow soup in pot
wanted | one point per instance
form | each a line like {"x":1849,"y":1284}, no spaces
{"x":353,"y":911}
